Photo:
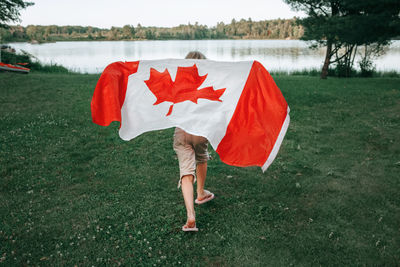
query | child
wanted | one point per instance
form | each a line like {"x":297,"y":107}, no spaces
{"x":192,"y":156}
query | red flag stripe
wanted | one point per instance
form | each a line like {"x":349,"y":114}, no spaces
{"x":258,"y":124}
{"x":110,"y":91}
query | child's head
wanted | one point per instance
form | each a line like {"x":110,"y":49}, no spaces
{"x":195,"y":55}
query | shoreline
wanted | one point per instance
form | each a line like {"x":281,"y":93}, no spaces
{"x":311,"y":73}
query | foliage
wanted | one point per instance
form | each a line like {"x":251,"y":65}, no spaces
{"x":341,"y":69}
{"x":367,"y":67}
{"x":73,"y":193}
{"x":9,"y":11}
{"x":366,"y":63}
{"x":13,"y":58}
{"x":343,"y":25}
{"x":243,"y":29}
{"x":49,"y":68}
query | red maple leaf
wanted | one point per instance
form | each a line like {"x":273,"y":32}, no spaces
{"x":184,"y":87}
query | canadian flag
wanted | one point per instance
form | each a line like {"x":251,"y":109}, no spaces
{"x":235,"y":105}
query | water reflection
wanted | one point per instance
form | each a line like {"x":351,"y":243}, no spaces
{"x":287,"y":55}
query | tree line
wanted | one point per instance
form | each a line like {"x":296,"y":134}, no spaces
{"x":242,"y":29}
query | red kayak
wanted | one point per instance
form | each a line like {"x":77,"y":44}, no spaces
{"x":15,"y":68}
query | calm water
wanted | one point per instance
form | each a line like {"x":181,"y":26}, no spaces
{"x":285,"y":55}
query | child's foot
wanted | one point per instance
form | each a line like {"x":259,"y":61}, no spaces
{"x":204,"y":197}
{"x":190,"y":225}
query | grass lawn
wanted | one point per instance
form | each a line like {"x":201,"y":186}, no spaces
{"x":73,"y":193}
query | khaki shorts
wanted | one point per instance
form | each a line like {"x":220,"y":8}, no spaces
{"x":190,"y":149}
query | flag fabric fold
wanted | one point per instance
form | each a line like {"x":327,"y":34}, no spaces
{"x":236,"y":105}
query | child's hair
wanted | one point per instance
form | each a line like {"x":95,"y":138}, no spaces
{"x":195,"y":55}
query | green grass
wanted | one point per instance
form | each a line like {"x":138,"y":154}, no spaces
{"x":73,"y":193}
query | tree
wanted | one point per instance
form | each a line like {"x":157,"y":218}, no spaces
{"x":344,"y":25}
{"x":128,"y":32}
{"x":9,"y":11}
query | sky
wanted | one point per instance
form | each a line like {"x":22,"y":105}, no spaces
{"x":104,"y":14}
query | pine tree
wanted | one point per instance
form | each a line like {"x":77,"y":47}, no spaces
{"x":343,"y":25}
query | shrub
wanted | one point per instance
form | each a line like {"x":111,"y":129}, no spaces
{"x":367,"y":67}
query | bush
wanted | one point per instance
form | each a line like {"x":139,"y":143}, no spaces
{"x":367,"y":67}
{"x":13,"y":58}
{"x":342,"y":70}
{"x":50,"y":68}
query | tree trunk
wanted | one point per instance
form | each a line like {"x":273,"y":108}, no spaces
{"x":324,"y":73}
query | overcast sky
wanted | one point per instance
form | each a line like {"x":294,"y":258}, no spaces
{"x":104,"y":14}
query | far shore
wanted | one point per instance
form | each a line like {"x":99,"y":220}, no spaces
{"x":140,"y":40}
{"x":35,"y":42}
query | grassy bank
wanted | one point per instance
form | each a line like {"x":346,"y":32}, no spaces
{"x":32,"y":62}
{"x":73,"y":193}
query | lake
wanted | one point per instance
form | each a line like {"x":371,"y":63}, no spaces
{"x":275,"y":55}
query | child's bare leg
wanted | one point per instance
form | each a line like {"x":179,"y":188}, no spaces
{"x":187,"y":191}
{"x":201,"y":172}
